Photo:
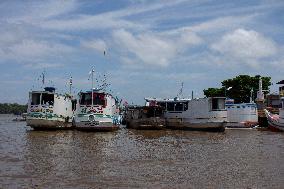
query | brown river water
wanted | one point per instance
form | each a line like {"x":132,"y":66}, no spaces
{"x":139,"y":159}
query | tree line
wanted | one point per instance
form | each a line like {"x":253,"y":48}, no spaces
{"x":239,"y":88}
{"x":14,"y":108}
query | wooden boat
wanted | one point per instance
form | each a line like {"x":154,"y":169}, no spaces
{"x":243,"y":115}
{"x":49,"y":110}
{"x":144,"y":117}
{"x":96,"y":111}
{"x":275,"y":122}
{"x":207,"y":114}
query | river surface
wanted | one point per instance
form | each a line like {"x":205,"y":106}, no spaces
{"x":139,"y":159}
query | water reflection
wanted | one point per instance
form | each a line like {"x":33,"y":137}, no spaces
{"x":140,"y":159}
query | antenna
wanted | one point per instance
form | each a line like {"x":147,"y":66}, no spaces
{"x":251,"y":95}
{"x":43,"y":77}
{"x":181,"y":90}
{"x":91,"y":73}
{"x":70,"y":85}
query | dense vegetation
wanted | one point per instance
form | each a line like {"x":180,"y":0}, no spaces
{"x":12,"y":108}
{"x":239,"y":88}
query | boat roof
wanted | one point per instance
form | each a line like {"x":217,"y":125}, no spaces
{"x":148,"y":99}
{"x":280,"y":82}
{"x":95,"y":90}
{"x":242,"y":104}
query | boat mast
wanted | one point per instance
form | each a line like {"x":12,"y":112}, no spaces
{"x":93,"y":87}
{"x":70,"y":86}
{"x":251,"y":93}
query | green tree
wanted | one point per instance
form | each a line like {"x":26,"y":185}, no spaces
{"x":240,"y":88}
{"x":12,"y":108}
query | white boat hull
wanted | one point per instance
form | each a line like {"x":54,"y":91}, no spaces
{"x":274,"y":122}
{"x":179,"y":124}
{"x":48,"y":124}
{"x":241,"y":124}
{"x":96,"y":126}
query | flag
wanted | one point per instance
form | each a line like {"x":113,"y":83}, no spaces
{"x":92,"y":71}
{"x":125,"y":103}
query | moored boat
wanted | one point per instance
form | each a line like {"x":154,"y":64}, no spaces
{"x":144,"y":117}
{"x":96,"y":111}
{"x":242,"y":115}
{"x":207,"y":114}
{"x":276,"y":122}
{"x":49,"y":110}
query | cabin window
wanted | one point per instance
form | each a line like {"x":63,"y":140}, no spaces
{"x":35,"y":99}
{"x":86,"y":99}
{"x":98,"y":99}
{"x":162,"y":104}
{"x":171,"y":106}
{"x":179,"y":106}
{"x":74,"y":103}
{"x":218,"y":104}
{"x":185,"y":106}
{"x":282,"y":103}
{"x":47,"y":99}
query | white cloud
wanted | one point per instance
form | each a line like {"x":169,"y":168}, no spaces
{"x":96,"y":44}
{"x":244,"y":44}
{"x":149,"y":48}
{"x":190,"y":38}
{"x":33,"y":11}
{"x":113,"y":19}
{"x":32,"y":50}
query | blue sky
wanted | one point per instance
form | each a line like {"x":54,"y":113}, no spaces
{"x":151,"y":45}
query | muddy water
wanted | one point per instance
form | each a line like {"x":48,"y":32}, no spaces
{"x":139,"y":159}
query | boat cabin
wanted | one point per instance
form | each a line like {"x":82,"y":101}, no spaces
{"x":48,"y":109}
{"x":99,"y":99}
{"x":199,"y":108}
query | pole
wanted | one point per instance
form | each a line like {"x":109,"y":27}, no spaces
{"x":70,"y":86}
{"x":92,"y":87}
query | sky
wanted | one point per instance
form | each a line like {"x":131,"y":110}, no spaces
{"x":146,"y":48}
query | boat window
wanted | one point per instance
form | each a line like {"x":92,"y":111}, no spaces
{"x":244,"y":106}
{"x":162,"y":104}
{"x":98,"y":99}
{"x":179,"y":106}
{"x":86,"y":99}
{"x":47,"y":99}
{"x":35,"y":99}
{"x":185,"y":106}
{"x":74,"y":103}
{"x":238,"y":106}
{"x":170,"y":106}
{"x":218,"y":104}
